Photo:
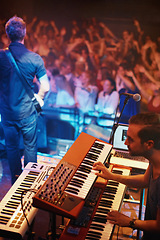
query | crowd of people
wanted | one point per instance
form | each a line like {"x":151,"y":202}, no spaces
{"x":90,"y":68}
{"x":83,"y":73}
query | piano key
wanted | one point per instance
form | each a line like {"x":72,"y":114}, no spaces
{"x":92,"y":156}
{"x":94,"y":150}
{"x":80,"y":157}
{"x":12,"y":221}
{"x":80,"y":175}
{"x":98,"y":145}
{"x":99,"y":228}
{"x":86,"y":167}
{"x":102,"y":209}
{"x":86,"y":185}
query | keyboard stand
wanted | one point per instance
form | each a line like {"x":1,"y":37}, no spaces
{"x":141,"y":203}
{"x":53,"y":226}
{"x":140,"y":209}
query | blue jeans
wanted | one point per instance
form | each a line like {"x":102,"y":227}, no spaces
{"x":12,"y":130}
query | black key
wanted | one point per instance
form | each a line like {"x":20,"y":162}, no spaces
{"x":103,"y":210}
{"x":95,"y":151}
{"x":91,"y":156}
{"x":98,"y":145}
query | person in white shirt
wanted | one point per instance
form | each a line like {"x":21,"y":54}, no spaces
{"x":65,"y":96}
{"x":108,"y":98}
{"x":85,"y":93}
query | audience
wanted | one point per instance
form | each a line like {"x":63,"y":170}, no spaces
{"x":152,"y":96}
{"x":90,"y":48}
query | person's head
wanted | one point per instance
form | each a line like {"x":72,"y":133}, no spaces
{"x":125,"y":35}
{"x":44,"y":39}
{"x":62,"y":84}
{"x":84,"y":53}
{"x":121,"y":69}
{"x":148,"y":38}
{"x":65,"y":67}
{"x":15,"y":29}
{"x":146,"y":118}
{"x":55,"y":72}
{"x":108,"y":85}
{"x":150,"y":135}
{"x":85,"y":78}
{"x":136,"y":145}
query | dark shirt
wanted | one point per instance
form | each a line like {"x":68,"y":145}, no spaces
{"x":15,"y":104}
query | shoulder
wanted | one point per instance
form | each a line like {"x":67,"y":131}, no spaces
{"x":93,"y":87}
{"x":34,"y":56}
{"x":115,"y":94}
{"x":100,"y":94}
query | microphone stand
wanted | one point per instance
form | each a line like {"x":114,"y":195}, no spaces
{"x":115,"y":125}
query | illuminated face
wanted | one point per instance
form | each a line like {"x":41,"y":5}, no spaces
{"x":133,"y":142}
{"x":121,"y":71}
{"x":107,"y":86}
{"x":67,"y":69}
{"x":125,"y":35}
{"x":84,"y":78}
{"x":84,"y":54}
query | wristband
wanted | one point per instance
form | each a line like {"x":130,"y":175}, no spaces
{"x":132,"y":223}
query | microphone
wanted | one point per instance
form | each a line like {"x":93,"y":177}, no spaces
{"x":136,"y":97}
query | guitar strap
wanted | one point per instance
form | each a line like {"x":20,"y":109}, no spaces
{"x":24,"y":81}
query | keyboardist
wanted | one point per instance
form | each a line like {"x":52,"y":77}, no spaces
{"x":143,"y":139}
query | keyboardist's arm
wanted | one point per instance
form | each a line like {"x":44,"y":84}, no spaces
{"x":137,"y":181}
{"x":122,"y":220}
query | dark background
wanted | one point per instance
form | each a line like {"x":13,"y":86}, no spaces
{"x":117,"y":14}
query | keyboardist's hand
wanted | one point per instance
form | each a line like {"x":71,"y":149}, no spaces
{"x":118,"y":218}
{"x":105,"y":173}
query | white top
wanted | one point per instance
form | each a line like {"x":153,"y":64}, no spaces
{"x":108,"y":103}
{"x":86,"y":99}
{"x":64,"y":98}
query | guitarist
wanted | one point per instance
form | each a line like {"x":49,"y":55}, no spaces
{"x":18,"y":113}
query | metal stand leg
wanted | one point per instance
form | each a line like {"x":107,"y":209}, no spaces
{"x":140,"y":209}
{"x":53,"y":225}
{"x":30,"y":233}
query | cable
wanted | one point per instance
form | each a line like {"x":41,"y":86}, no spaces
{"x":47,"y":175}
{"x":22,"y":207}
{"x":118,"y":231}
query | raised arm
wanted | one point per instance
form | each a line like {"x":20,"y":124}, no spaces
{"x":144,"y":93}
{"x":148,"y":75}
{"x":107,"y":30}
{"x":127,"y":82}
